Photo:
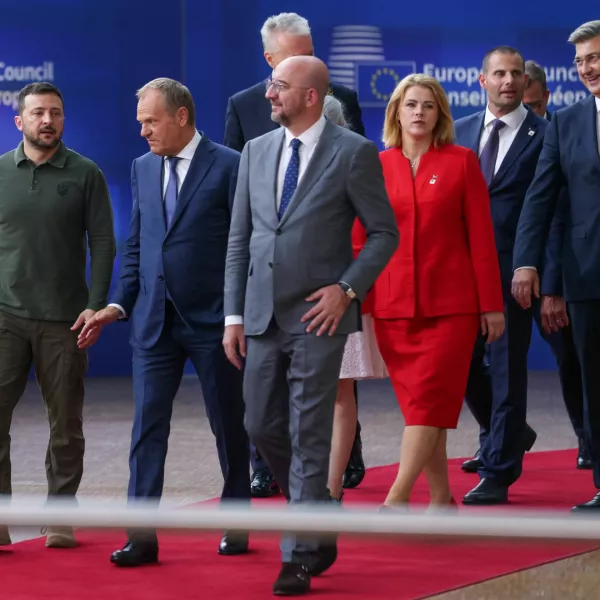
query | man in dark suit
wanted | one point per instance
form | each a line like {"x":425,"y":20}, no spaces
{"x":248,"y":117}
{"x":571,"y":158}
{"x":171,"y":284}
{"x":507,"y":138}
{"x":561,"y":343}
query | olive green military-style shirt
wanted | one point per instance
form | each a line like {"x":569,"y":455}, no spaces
{"x":49,"y":215}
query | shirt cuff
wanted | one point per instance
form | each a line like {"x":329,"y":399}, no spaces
{"x":123,"y":313}
{"x":520,"y":268}
{"x":234,"y":320}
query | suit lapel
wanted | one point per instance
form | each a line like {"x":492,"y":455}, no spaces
{"x":528,"y":131}
{"x":271,"y":160}
{"x":589,"y":128}
{"x":322,"y":156}
{"x":199,"y":167}
{"x":474,"y":135}
{"x":156,"y":197}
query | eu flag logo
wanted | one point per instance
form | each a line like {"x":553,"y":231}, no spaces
{"x":377,"y":80}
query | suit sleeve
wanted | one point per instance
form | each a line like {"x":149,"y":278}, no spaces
{"x":359,"y":237}
{"x":354,"y":114}
{"x":128,"y":285}
{"x":238,"y":246}
{"x":366,"y":191}
{"x":480,"y":232}
{"x":234,"y":137}
{"x":552,"y":274}
{"x":540,"y":202}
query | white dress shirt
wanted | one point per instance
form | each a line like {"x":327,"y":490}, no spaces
{"x":182,"y":168}
{"x":506,"y":135}
{"x":309,"y":140}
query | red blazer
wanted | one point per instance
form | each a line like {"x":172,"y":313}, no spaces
{"x":446,"y":262}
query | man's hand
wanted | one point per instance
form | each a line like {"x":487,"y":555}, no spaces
{"x":83,"y":318}
{"x":554,"y":313}
{"x":93,"y":326}
{"x":327,"y":313}
{"x":234,"y":342}
{"x":525,"y":283}
{"x":492,"y":325}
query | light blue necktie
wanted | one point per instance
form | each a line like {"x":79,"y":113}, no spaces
{"x":291,"y":177}
{"x":171,"y":193}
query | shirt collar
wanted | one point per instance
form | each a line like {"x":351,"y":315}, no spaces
{"x":311,"y":136}
{"x":597,"y":104}
{"x":513,"y":119}
{"x":188,"y":152}
{"x":58,"y":159}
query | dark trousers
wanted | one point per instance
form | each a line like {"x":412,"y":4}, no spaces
{"x":497,"y":392}
{"x":563,"y":348}
{"x":157,"y":374}
{"x":585,"y":321}
{"x":51,"y":347}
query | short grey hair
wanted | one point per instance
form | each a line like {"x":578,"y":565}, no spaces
{"x":334,"y":111}
{"x":291,"y":23}
{"x":535,"y":73}
{"x":176,"y":96}
{"x":585,"y":32}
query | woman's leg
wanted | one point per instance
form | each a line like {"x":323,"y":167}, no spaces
{"x":344,"y":430}
{"x":436,"y":471}
{"x":419,"y":442}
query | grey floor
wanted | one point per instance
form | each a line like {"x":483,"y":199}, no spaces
{"x":193,"y":473}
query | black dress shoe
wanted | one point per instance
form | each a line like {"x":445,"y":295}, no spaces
{"x":293,"y":580}
{"x":324,"y":558}
{"x":135,"y":554}
{"x":588,"y":507}
{"x":355,"y":470}
{"x":233,"y":544}
{"x":263,"y":485}
{"x":529,"y":438}
{"x":583,"y":457}
{"x":487,"y":492}
{"x":473,"y":464}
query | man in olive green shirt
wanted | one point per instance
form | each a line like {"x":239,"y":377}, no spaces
{"x":54,"y":203}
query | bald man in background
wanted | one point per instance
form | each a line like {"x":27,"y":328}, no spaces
{"x":292,"y":289}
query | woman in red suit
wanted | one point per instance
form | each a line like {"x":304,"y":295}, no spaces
{"x":442,"y":284}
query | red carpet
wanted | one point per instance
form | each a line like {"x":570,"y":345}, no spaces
{"x":191,"y":569}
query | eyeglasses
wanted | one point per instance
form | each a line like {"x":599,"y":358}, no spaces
{"x":591,"y":59}
{"x":278,"y":86}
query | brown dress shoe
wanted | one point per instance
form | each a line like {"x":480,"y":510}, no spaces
{"x":59,"y":537}
{"x":4,"y":536}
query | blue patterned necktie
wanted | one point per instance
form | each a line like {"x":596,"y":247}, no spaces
{"x":171,"y":193}
{"x":291,"y":177}
{"x":488,"y":157}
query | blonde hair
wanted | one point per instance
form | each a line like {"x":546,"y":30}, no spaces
{"x":443,"y":132}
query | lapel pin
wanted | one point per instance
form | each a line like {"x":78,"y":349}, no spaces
{"x":531,"y":132}
{"x":433,"y":179}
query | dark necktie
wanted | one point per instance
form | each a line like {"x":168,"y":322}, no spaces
{"x":171,"y":193}
{"x":489,"y":155}
{"x":291,"y":177}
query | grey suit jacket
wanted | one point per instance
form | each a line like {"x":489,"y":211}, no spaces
{"x":272,"y":266}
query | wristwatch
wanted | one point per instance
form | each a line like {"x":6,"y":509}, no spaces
{"x":347,"y":290}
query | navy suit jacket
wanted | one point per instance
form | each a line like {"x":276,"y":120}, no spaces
{"x":188,"y":258}
{"x":510,"y":183}
{"x":249,"y":114}
{"x":569,"y":158}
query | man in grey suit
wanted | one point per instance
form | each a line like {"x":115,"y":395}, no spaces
{"x":292,"y":289}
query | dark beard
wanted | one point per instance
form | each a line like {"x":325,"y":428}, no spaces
{"x":41,"y":144}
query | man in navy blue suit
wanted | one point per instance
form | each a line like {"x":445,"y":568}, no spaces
{"x":508,"y":138}
{"x":571,"y":158}
{"x":171,"y":285}
{"x":248,"y":117}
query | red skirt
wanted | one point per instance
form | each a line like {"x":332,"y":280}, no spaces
{"x":428,"y":360}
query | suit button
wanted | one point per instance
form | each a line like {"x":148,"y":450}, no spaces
{"x":161,"y":278}
{"x":278,"y":231}
{"x":271,"y":265}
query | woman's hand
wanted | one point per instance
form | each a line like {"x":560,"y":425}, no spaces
{"x":492,"y":325}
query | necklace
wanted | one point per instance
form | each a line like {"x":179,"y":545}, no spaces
{"x":413,"y":163}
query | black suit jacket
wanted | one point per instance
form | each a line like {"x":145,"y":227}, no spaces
{"x":249,"y":114}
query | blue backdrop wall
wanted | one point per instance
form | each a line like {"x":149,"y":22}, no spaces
{"x":99,"y":53}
